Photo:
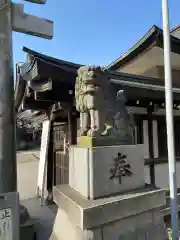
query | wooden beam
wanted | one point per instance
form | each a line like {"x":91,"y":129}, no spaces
{"x":36,"y":1}
{"x":140,"y":93}
{"x":50,"y":96}
{"x":35,"y":105}
{"x":150,"y":109}
{"x":72,"y":123}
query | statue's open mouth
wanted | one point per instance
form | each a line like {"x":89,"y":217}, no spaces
{"x":92,"y":83}
{"x":93,"y":87}
{"x":89,"y":80}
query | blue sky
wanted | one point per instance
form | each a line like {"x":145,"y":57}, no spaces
{"x":96,"y":31}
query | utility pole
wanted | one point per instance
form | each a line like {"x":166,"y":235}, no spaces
{"x":8,"y":179}
{"x":13,"y":18}
{"x":169,"y":121}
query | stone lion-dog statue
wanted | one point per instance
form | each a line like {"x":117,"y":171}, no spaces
{"x":101,"y":112}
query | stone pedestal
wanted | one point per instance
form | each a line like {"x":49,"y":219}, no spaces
{"x":106,"y":198}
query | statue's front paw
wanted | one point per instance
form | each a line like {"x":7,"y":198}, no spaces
{"x":90,"y":133}
{"x":93,"y":133}
{"x":83,"y":132}
{"x":107,"y":131}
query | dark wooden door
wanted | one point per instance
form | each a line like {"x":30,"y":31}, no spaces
{"x":162,"y":138}
{"x":61,"y":153}
{"x":177,"y":137}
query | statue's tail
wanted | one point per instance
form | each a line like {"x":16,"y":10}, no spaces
{"x":121,"y":96}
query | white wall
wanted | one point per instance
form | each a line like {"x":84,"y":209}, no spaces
{"x":145,"y":139}
{"x":155,"y":139}
{"x":162,"y":175}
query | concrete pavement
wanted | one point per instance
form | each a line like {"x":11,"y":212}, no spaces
{"x":27,"y":172}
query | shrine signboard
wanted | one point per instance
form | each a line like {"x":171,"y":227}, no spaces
{"x":9,"y":216}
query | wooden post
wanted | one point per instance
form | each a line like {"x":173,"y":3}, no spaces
{"x":72,"y":123}
{"x":150,"y":109}
{"x":8,"y":168}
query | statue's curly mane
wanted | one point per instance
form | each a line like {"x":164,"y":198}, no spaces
{"x":89,"y":72}
{"x":79,"y":91}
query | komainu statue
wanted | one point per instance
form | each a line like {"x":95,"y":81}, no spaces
{"x":101,"y":112}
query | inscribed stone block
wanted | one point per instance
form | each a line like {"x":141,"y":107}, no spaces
{"x":104,"y":171}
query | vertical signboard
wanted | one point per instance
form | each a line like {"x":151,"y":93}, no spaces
{"x":42,"y":172}
{"x":9,"y":216}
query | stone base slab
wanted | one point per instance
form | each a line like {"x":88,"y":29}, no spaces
{"x":92,"y":213}
{"x":103,"y":171}
{"x":145,"y":226}
{"x":131,"y":216}
{"x":85,"y":141}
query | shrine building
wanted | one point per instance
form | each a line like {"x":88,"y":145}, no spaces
{"x":45,"y":86}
